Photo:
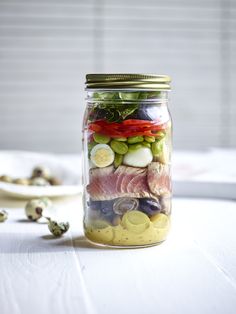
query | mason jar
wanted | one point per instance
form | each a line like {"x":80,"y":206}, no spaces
{"x":127,"y":143}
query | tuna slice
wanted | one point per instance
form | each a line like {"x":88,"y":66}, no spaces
{"x":108,"y":183}
{"x":125,"y":175}
{"x":158,"y":178}
{"x":100,"y":181}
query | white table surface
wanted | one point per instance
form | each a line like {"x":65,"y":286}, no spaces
{"x":194,"y":271}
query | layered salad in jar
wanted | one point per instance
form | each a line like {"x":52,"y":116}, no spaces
{"x":127,"y":143}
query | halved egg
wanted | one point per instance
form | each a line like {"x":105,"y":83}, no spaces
{"x":102,"y":155}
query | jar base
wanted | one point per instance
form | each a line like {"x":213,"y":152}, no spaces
{"x":110,"y":246}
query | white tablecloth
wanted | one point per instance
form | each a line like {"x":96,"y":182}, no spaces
{"x":194,"y":271}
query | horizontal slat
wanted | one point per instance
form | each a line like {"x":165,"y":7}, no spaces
{"x":81,"y":22}
{"x":41,"y":32}
{"x":112,"y":19}
{"x":206,"y":4}
{"x":46,"y":8}
{"x":211,"y":4}
{"x":159,"y":24}
{"x":47,"y":55}
{"x":53,"y":43}
{"x":87,"y":65}
{"x":160,"y":43}
{"x":163,"y":13}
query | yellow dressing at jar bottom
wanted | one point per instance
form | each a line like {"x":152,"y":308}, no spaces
{"x":121,"y":236}
{"x":100,"y":231}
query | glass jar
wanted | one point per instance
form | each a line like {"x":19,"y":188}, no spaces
{"x":127,"y":143}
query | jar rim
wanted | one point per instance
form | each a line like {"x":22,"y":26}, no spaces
{"x":127,"y":80}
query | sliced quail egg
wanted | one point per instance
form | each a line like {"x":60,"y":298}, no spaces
{"x":102,"y":155}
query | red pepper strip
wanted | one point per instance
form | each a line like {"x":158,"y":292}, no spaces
{"x":95,"y":127}
{"x":131,"y":130}
{"x":131,"y":122}
{"x":110,"y":126}
{"x":139,"y":122}
{"x":126,"y":134}
{"x":136,"y":128}
{"x":128,"y":128}
{"x":105,"y":122}
{"x":115,"y":129}
{"x":110,"y":132}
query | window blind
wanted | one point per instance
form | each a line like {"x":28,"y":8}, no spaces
{"x":47,"y":47}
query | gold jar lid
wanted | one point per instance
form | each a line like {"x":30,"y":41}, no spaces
{"x":128,"y":81}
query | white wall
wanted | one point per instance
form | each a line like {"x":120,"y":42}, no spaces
{"x":47,"y":47}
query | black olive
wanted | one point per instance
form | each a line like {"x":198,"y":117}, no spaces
{"x":149,"y":206}
{"x":147,"y":112}
{"x":107,"y":210}
{"x":95,"y":205}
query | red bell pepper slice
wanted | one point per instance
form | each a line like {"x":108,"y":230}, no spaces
{"x":127,"y":128}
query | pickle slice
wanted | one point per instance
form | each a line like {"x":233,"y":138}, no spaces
{"x":99,"y":224}
{"x":161,"y":224}
{"x":135,"y":221}
{"x":160,"y":221}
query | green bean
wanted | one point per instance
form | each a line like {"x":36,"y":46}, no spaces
{"x":121,"y":139}
{"x":160,"y":135}
{"x":135,"y":147}
{"x":157,"y":148}
{"x":101,"y":139}
{"x":119,"y":147}
{"x":146,"y":144}
{"x":118,"y":160}
{"x":149,"y":139}
{"x":135,"y":139}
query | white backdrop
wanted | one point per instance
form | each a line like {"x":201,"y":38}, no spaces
{"x":47,"y":47}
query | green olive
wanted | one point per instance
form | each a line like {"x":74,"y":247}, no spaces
{"x":101,"y":139}
{"x":146,"y":144}
{"x":157,"y":148}
{"x":119,"y":147}
{"x":121,"y":139}
{"x":149,"y":139}
{"x":118,"y":160}
{"x":135,"y":147}
{"x":135,"y":139}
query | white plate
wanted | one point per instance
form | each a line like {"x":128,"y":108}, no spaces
{"x":20,"y":164}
